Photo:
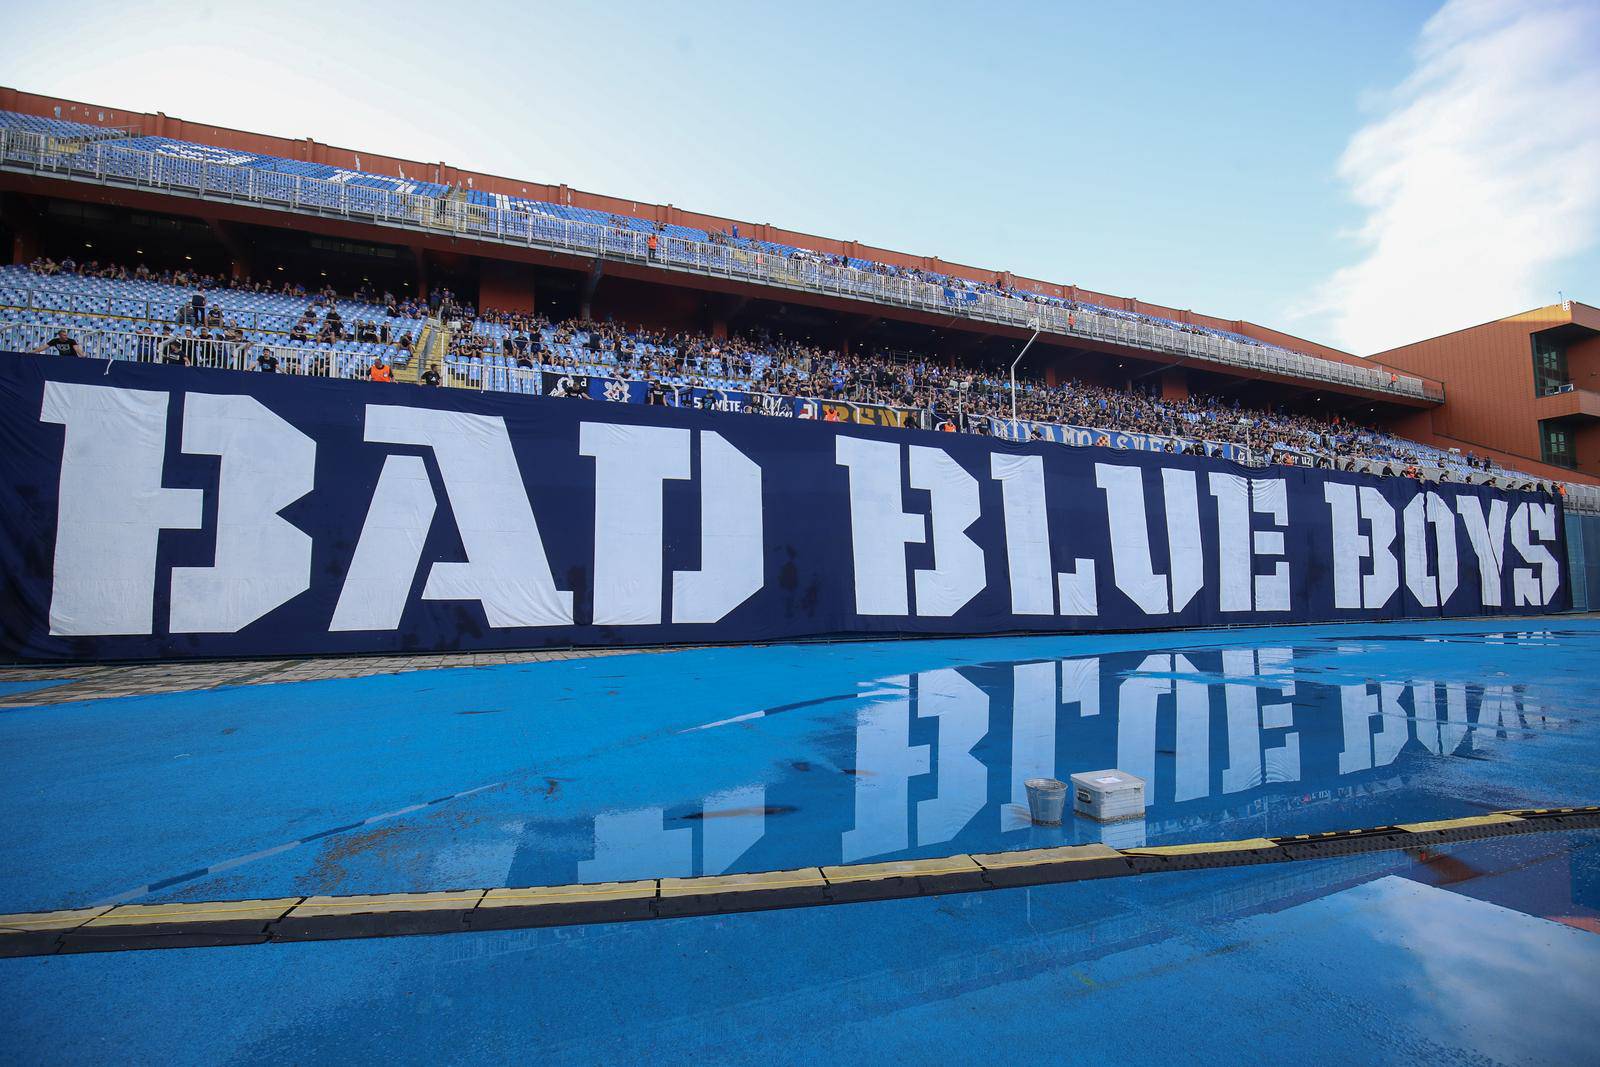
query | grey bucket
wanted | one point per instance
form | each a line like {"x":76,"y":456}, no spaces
{"x":1047,"y":799}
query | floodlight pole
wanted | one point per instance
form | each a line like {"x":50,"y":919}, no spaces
{"x":1014,"y":363}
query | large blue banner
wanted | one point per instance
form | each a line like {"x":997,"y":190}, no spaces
{"x":159,"y":511}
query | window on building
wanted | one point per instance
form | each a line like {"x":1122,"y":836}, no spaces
{"x":1555,"y":445}
{"x":1549,"y":365}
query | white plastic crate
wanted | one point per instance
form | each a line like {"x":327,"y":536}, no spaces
{"x":1107,"y":796}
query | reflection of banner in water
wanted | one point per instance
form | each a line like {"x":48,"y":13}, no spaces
{"x":1087,"y":437}
{"x":1256,"y":733}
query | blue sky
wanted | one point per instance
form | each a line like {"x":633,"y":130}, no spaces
{"x":1362,"y":173}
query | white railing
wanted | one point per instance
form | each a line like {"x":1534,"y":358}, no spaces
{"x":148,"y":347}
{"x":113,"y":163}
{"x":462,"y":375}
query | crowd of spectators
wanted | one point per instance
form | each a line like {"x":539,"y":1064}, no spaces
{"x":963,"y":397}
{"x":207,"y":334}
{"x":202,"y":283}
{"x":973,"y":399}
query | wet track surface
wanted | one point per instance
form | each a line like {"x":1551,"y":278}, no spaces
{"x":717,"y":760}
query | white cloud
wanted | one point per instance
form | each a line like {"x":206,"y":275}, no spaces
{"x":1481,"y":176}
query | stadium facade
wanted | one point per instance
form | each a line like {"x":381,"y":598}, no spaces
{"x":1526,"y":385}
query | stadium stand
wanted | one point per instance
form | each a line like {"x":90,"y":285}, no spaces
{"x":56,"y":145}
{"x":178,"y":317}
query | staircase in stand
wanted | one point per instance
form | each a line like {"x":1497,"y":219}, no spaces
{"x":422,"y":351}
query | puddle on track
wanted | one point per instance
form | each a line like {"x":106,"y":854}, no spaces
{"x":1241,"y":734}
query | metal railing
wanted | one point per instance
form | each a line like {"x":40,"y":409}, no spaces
{"x":148,"y":347}
{"x":116,"y":164}
{"x":177,"y":310}
{"x":459,"y":375}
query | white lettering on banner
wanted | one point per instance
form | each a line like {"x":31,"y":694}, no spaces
{"x":1241,"y":589}
{"x":1131,"y":561}
{"x":1349,"y":506}
{"x":957,"y":574}
{"x":1380,"y":586}
{"x":262,"y":561}
{"x":1270,"y":496}
{"x":378,"y":583}
{"x":113,"y":508}
{"x":1179,"y":491}
{"x":1487,"y":535}
{"x":880,"y":529}
{"x":1527,"y":588}
{"x":731,"y":547}
{"x":1425,"y":510}
{"x":1234,"y":566}
{"x":506,"y":568}
{"x":631,"y":463}
{"x":1021,"y":481}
